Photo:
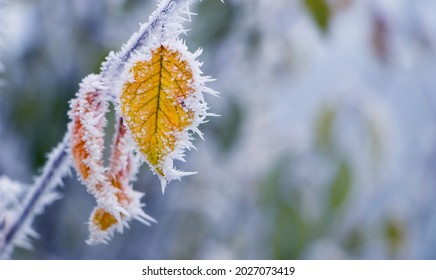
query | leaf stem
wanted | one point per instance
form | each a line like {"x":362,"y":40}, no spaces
{"x":116,"y":62}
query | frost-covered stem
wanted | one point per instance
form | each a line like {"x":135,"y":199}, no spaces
{"x":56,"y":167}
{"x":116,"y":62}
{"x":42,"y":192}
{"x":140,"y":37}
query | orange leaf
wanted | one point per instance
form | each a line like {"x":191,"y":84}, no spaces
{"x":87,"y":132}
{"x":122,"y":169}
{"x":87,"y":124}
{"x":78,"y":150}
{"x":102,"y":219}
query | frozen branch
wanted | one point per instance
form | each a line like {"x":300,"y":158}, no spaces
{"x":15,"y":229}
{"x":41,"y":194}
{"x":115,"y":61}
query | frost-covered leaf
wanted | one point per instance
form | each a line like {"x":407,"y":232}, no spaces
{"x":122,"y":170}
{"x":153,"y":104}
{"x":123,"y":166}
{"x":87,"y":131}
{"x":87,"y":124}
{"x":161,"y":102}
{"x":102,"y":219}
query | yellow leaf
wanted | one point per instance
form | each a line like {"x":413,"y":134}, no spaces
{"x":154,"y":104}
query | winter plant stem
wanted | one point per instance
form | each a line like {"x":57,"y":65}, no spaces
{"x":162,"y":24}
{"x":138,"y":39}
{"x":55,"y":168}
{"x":58,"y":162}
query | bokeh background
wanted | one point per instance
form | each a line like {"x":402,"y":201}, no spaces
{"x":325,"y":147}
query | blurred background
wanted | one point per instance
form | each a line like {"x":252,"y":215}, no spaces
{"x":325,"y":147}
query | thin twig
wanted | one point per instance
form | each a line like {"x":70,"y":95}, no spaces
{"x":58,"y":161}
{"x":56,"y":167}
{"x":138,"y":39}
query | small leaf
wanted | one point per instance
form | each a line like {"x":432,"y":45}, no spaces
{"x":122,"y":170}
{"x":87,"y":124}
{"x":161,"y":102}
{"x":102,"y":226}
{"x":103,"y":219}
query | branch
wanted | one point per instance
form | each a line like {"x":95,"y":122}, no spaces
{"x":37,"y":198}
{"x":42,"y":193}
{"x":115,"y":62}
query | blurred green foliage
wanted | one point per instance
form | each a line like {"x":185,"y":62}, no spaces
{"x":282,"y":197}
{"x":44,"y":135}
{"x":395,"y":236}
{"x":294,"y":230}
{"x":324,"y":129}
{"x":226,"y":131}
{"x":289,"y":236}
{"x":340,"y":185}
{"x":354,"y":242}
{"x":211,"y":28}
{"x":320,"y":12}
